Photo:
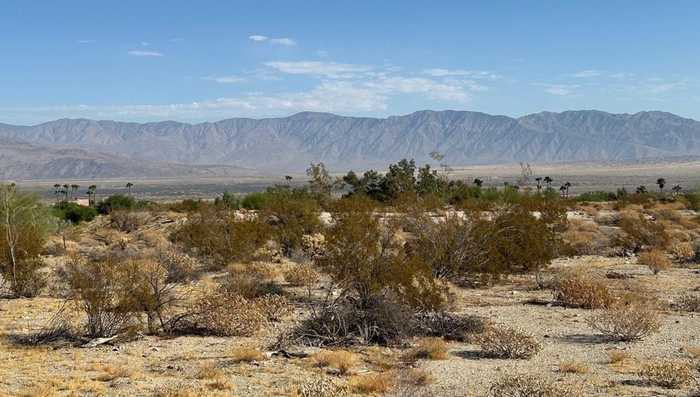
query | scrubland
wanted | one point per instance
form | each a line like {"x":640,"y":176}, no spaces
{"x":405,"y":286}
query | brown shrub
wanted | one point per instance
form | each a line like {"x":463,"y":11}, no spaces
{"x":340,"y":360}
{"x":626,"y":322}
{"x":618,"y":356}
{"x":530,"y":386}
{"x":373,"y":383}
{"x":301,"y":275}
{"x":180,"y":267}
{"x":248,"y":282}
{"x":322,"y":387}
{"x":641,"y":233}
{"x":504,"y":342}
{"x":449,"y":326}
{"x":668,"y":374}
{"x":656,"y":260}
{"x":428,"y":349}
{"x":573,"y":367}
{"x":578,"y":288}
{"x":225,"y":314}
{"x":683,"y":251}
{"x":274,"y":307}
{"x":126,"y":221}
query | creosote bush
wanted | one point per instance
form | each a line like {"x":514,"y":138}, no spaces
{"x":499,"y":341}
{"x":626,"y":323}
{"x":668,"y":374}
{"x":641,"y":233}
{"x":656,"y":260}
{"x":578,"y":288}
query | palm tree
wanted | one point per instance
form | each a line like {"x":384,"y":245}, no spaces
{"x":74,"y":189}
{"x":562,"y":190}
{"x":92,"y":194}
{"x":567,"y":185}
{"x":129,"y":185}
{"x":539,"y":183}
{"x":478,"y":182}
{"x":661,"y":182}
{"x":288,"y":178}
{"x":548,"y":181}
{"x":677,"y":189}
{"x":641,"y":189}
{"x":65,"y":191}
{"x":56,"y":190}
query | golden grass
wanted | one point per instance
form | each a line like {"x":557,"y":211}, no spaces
{"x":111,"y":372}
{"x":428,"y":349}
{"x":573,"y":367}
{"x":341,"y":360}
{"x":246,"y":355}
{"x":618,"y":357}
{"x":373,"y":383}
{"x":209,"y":371}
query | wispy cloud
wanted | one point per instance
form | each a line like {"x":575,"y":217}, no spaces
{"x":145,"y":53}
{"x":587,"y":73}
{"x":226,"y":79}
{"x":317,"y":68}
{"x":284,"y":41}
{"x":559,"y":89}
{"x":474,"y":74}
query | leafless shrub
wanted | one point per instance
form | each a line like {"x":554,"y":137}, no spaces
{"x":655,"y":260}
{"x":529,"y":386}
{"x":180,"y":267}
{"x":504,"y":342}
{"x":126,"y":221}
{"x":668,"y":374}
{"x":626,"y":322}
{"x":302,"y":275}
{"x":578,"y":288}
{"x":447,"y":325}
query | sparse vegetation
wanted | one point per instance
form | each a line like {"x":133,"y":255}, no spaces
{"x":626,"y":323}
{"x":578,"y":288}
{"x":656,"y":260}
{"x":530,"y":386}
{"x":499,"y":341}
{"x":668,"y":374}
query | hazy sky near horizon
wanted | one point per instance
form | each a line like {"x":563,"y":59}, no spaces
{"x":208,"y":60}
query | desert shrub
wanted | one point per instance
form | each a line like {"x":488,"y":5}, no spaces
{"x":585,"y":238}
{"x":313,"y":245}
{"x":292,"y":215}
{"x":24,"y":226}
{"x":447,"y":325}
{"x":222,"y":238}
{"x":655,"y":260}
{"x":340,"y":360}
{"x":641,"y":233}
{"x":302,"y":275}
{"x":254,"y":201}
{"x":689,"y":303}
{"x":73,"y":212}
{"x":608,"y":218}
{"x":250,"y":281}
{"x":529,"y":386}
{"x":372,"y":383}
{"x":322,"y":387}
{"x":103,"y":291}
{"x":180,"y":267}
{"x":116,"y":202}
{"x":504,"y":342}
{"x":618,"y":356}
{"x":224,"y":314}
{"x":125,"y":221}
{"x":668,"y":374}
{"x":683,"y":251}
{"x":579,"y":288}
{"x":430,"y":348}
{"x":596,"y":196}
{"x":274,"y":307}
{"x":626,"y":323}
{"x":573,"y":367}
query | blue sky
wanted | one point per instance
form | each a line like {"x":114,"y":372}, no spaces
{"x":208,"y":60}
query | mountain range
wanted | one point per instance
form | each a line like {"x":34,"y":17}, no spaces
{"x":82,"y":148}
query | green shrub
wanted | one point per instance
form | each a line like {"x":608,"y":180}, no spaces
{"x":116,"y":202}
{"x":254,"y":201}
{"x":74,"y":213}
{"x":596,"y":196}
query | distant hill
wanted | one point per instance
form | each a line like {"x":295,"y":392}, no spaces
{"x":288,"y":144}
{"x":21,"y":160}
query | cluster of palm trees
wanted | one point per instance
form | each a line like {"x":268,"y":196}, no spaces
{"x":661,"y":183}
{"x":68,"y":192}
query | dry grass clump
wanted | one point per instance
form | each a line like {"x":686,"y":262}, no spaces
{"x":578,"y":288}
{"x":209,"y":370}
{"x":618,"y":356}
{"x":656,"y":260}
{"x":340,"y":360}
{"x":302,"y":275}
{"x":683,"y":251}
{"x":626,"y":323}
{"x":373,"y":383}
{"x":110,"y":373}
{"x":573,"y":367}
{"x":246,"y":355}
{"x":504,"y":342}
{"x":667,"y":374}
{"x":529,"y":386}
{"x":321,"y":387}
{"x":428,"y":349}
{"x":221,"y":384}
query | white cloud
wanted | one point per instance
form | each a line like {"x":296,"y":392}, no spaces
{"x":587,"y":73}
{"x":257,"y":37}
{"x":285,"y":41}
{"x":661,"y":88}
{"x":475,"y":74}
{"x":419,"y":85}
{"x":145,"y":44}
{"x":226,"y":79}
{"x":559,"y":89}
{"x":317,"y":68}
{"x":144,"y":53}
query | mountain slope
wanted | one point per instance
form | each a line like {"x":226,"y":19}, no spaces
{"x":290,"y":143}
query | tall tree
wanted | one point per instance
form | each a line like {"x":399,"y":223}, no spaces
{"x":548,"y":181}
{"x":661,"y":182}
{"x":478,"y":182}
{"x":129,"y":185}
